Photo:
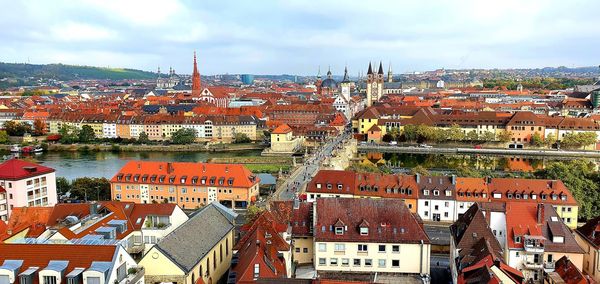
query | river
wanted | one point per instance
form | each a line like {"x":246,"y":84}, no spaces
{"x":72,"y":165}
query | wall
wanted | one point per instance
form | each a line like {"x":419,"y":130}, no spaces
{"x":303,"y":243}
{"x":591,"y":265}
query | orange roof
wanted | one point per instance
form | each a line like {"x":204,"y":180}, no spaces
{"x":22,"y":218}
{"x":186,"y":173}
{"x":282,"y":129}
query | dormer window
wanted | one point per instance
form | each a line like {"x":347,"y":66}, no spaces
{"x":509,"y":195}
{"x":426,"y":192}
{"x":448,"y":193}
{"x":543,"y":196}
{"x":554,"y":197}
{"x":339,"y":230}
{"x":183,"y":179}
{"x":518,"y":239}
{"x":563,"y":197}
{"x":340,"y":186}
{"x":436,"y":192}
{"x":364,"y":231}
{"x":329,"y":186}
{"x":318,"y":185}
{"x":533,"y":196}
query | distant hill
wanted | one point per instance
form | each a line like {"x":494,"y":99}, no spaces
{"x":64,"y":72}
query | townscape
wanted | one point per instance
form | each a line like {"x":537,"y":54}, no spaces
{"x":360,"y":174}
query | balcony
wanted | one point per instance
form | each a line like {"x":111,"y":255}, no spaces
{"x":534,"y":244}
{"x":533,"y":265}
{"x":134,"y":274}
{"x":549,"y":266}
{"x":136,"y":248}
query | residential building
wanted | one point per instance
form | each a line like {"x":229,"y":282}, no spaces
{"x":365,"y":235}
{"x":566,"y":272}
{"x":283,"y":140}
{"x":437,"y":197}
{"x":67,"y":263}
{"x":189,"y":185}
{"x":536,"y":238}
{"x":26,"y":184}
{"x":588,"y":237}
{"x":198,"y":251}
{"x":3,"y":205}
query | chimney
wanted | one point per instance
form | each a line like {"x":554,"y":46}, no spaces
{"x":540,"y":213}
{"x":169,"y":167}
{"x":226,"y":169}
{"x":93,"y":208}
{"x":418,"y":177}
{"x":453,"y":179}
{"x":488,"y":180}
{"x":296,"y":203}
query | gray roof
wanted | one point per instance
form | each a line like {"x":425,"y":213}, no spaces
{"x":190,"y":242}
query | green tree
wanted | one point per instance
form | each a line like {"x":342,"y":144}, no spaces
{"x":580,"y":177}
{"x":504,"y":136}
{"x":550,"y":140}
{"x":488,"y":136}
{"x":68,"y":134}
{"x":93,"y":188}
{"x":419,"y":170}
{"x":143,"y":138}
{"x":536,"y":140}
{"x":252,"y":213}
{"x":578,"y":140}
{"x":184,"y":136}
{"x":62,"y":185}
{"x":455,"y":133}
{"x":410,"y":132}
{"x":3,"y":137}
{"x":15,"y":128}
{"x":86,"y":134}
{"x":241,"y":138}
{"x":387,"y":137}
{"x":472,"y":136}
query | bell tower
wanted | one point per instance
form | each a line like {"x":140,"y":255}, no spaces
{"x":196,"y":84}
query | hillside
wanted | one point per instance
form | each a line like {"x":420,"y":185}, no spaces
{"x":69,"y":72}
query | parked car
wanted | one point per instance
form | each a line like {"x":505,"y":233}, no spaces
{"x":478,"y":147}
{"x":394,"y":143}
{"x":425,"y":146}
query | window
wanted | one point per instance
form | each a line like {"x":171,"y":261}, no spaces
{"x":395,"y":263}
{"x":340,"y":247}
{"x":339,"y":230}
{"x":381,"y":248}
{"x":364,"y":231}
{"x":426,"y":203}
{"x":396,"y":248}
{"x":322,"y":261}
{"x":256,"y":270}
{"x":356,"y":262}
{"x":333,"y":261}
{"x":49,"y":280}
{"x":93,"y":280}
{"x":446,"y":204}
{"x":297,"y":249}
{"x":322,"y":247}
{"x":368,"y":262}
{"x":345,"y":261}
{"x":381,"y":263}
{"x":305,"y":250}
{"x":517,"y":239}
{"x":426,"y":192}
{"x":362,"y":248}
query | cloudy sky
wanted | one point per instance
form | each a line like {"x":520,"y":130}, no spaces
{"x":295,"y":37}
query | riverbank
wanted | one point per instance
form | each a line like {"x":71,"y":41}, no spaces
{"x":485,"y":151}
{"x":148,"y":148}
{"x":259,"y":164}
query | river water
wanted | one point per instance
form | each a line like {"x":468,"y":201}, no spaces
{"x":72,"y":165}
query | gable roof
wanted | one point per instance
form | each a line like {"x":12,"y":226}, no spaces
{"x":591,"y":231}
{"x":389,"y":221}
{"x":199,"y":235}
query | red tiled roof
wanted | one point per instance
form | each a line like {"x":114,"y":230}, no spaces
{"x":240,"y":175}
{"x":569,"y":272}
{"x":39,"y":255}
{"x":15,"y":169}
{"x":22,"y":218}
{"x":390,"y":221}
{"x":282,"y":129}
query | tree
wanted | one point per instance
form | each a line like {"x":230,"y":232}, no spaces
{"x":550,"y":140}
{"x":62,"y":185}
{"x":241,"y":138}
{"x":184,"y":136}
{"x":93,"y":188}
{"x":252,"y":213}
{"x":536,"y":140}
{"x":580,"y":177}
{"x":419,"y":170}
{"x":4,"y":138}
{"x":15,"y":128}
{"x":143,"y":138}
{"x":504,"y":136}
{"x":86,"y":134}
{"x":410,"y":132}
{"x":39,"y":127}
{"x":386,"y":138}
{"x":472,"y":136}
{"x":578,"y":140}
{"x":487,"y":136}
{"x":68,"y":134}
{"x":455,"y":134}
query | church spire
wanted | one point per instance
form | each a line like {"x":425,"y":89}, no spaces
{"x":329,"y":72}
{"x":370,"y":71}
{"x":380,"y":72}
{"x":346,"y":79}
{"x":196,"y":84}
{"x":390,"y":74}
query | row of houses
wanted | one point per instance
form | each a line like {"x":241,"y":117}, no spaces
{"x":444,"y":198}
{"x":376,"y":121}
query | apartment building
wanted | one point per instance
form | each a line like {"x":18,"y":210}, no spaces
{"x":536,"y":238}
{"x":588,"y":237}
{"x":189,"y":185}
{"x":365,"y":235}
{"x":25,"y":184}
{"x":437,"y":197}
{"x":67,"y":263}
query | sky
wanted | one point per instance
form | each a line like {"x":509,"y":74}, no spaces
{"x":296,"y":37}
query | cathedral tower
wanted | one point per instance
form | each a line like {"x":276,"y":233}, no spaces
{"x":196,"y":84}
{"x":390,"y":77}
{"x":345,"y":85}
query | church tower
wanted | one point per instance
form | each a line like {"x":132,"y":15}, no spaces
{"x":379,"y":82}
{"x":345,"y":85}
{"x":370,"y":81}
{"x":390,"y":77}
{"x":196,"y":85}
{"x":319,"y":81}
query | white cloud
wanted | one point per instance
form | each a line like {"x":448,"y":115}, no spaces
{"x":73,"y":31}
